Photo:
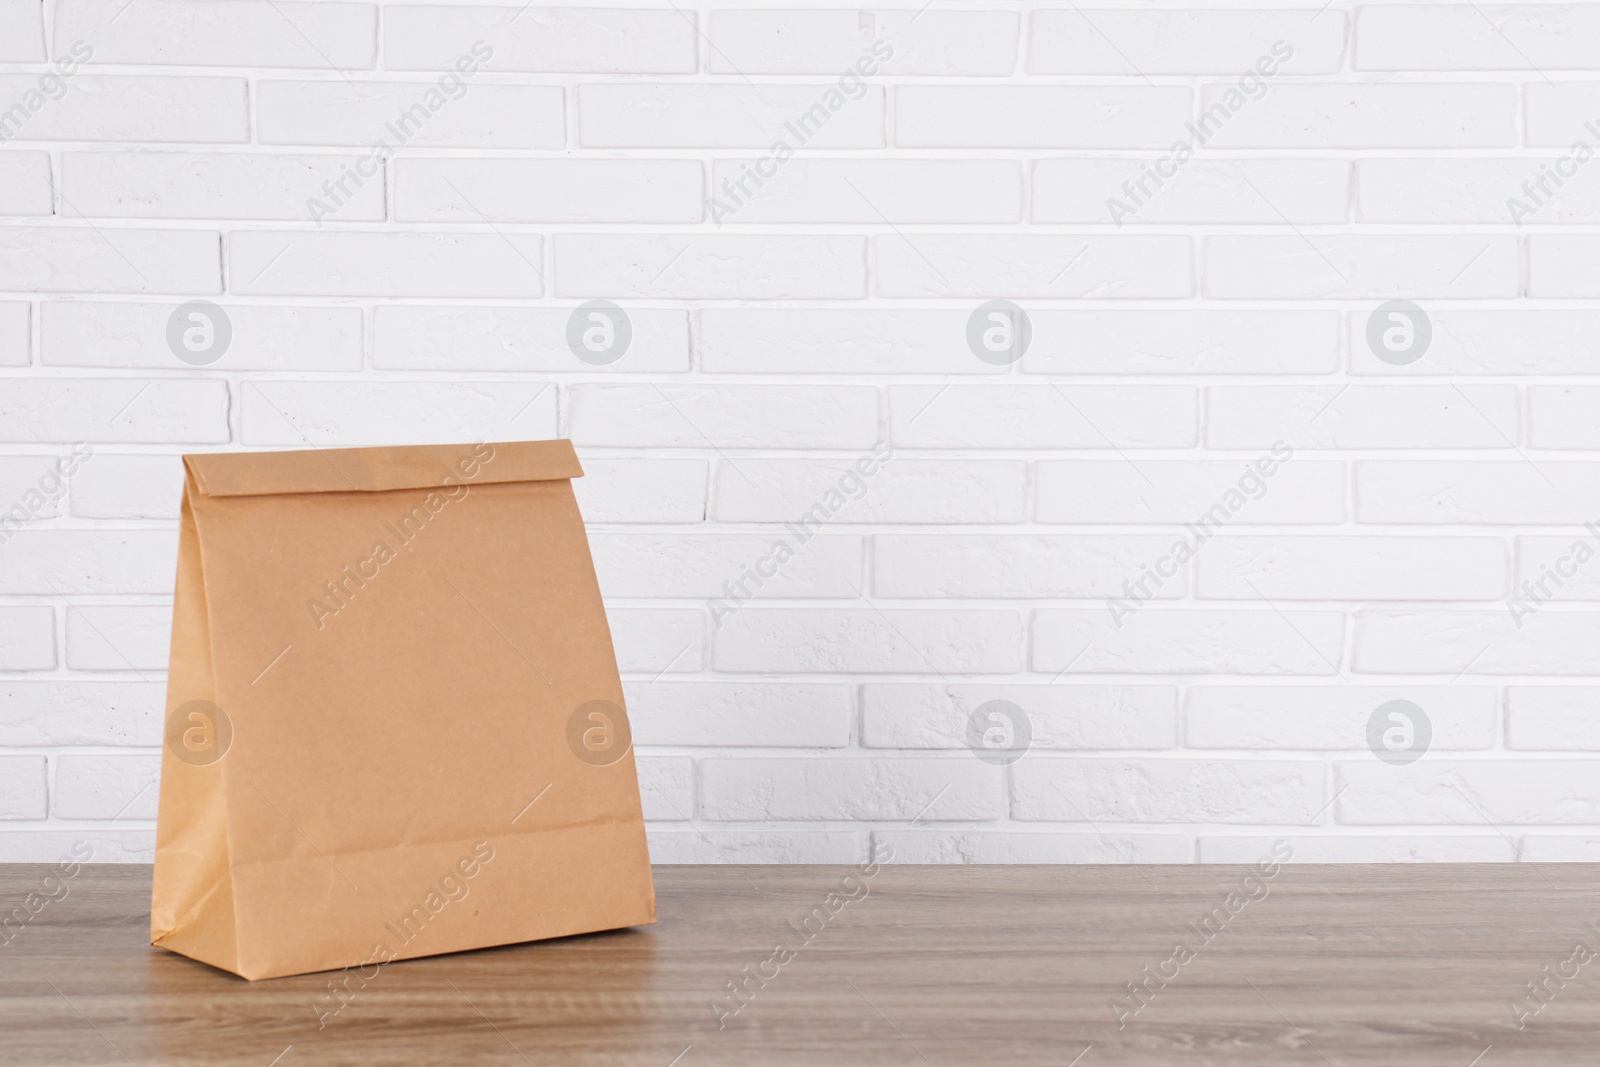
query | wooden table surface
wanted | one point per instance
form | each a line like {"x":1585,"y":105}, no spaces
{"x":935,"y":966}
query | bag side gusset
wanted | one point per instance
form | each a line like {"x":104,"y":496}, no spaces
{"x":192,"y":906}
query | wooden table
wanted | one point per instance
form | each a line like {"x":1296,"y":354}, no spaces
{"x":936,"y":966}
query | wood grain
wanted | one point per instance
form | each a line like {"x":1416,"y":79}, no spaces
{"x":940,"y":966}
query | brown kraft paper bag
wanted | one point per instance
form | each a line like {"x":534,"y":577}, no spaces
{"x":394,"y":720}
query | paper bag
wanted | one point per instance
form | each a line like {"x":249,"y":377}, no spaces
{"x":395,"y":726}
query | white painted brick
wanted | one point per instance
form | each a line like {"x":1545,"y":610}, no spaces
{"x":1494,"y":793}
{"x":191,"y":185}
{"x":1520,"y":37}
{"x":730,"y":115}
{"x":1033,"y":265}
{"x":27,"y":638}
{"x":1183,"y":342}
{"x":87,"y":260}
{"x":82,"y":333}
{"x":1490,"y":492}
{"x":1167,"y":790}
{"x":926,"y":42}
{"x":727,"y":714}
{"x":1563,"y":416}
{"x":938,"y":790}
{"x":15,"y":333}
{"x":838,"y":341}
{"x":22,"y":787}
{"x":296,"y":414}
{"x":1561,"y":113}
{"x":1043,"y":416}
{"x":867,"y":190}
{"x":1331,"y":717}
{"x":903,"y":490}
{"x":1270,"y":266}
{"x":540,"y":39}
{"x":1162,"y":640}
{"x":1104,"y":41}
{"x":1059,"y":716}
{"x":1203,"y":190}
{"x":741,"y":416}
{"x":802,"y":245}
{"x":1016,"y":565}
{"x":128,"y":487}
{"x":1009,"y":846}
{"x":1406,"y":115}
{"x":1477,"y":642}
{"x":90,"y":562}
{"x":643,"y":490}
{"x":1466,"y":341}
{"x":934,"y":340}
{"x":518,"y":339}
{"x":1410,"y":848}
{"x":754,"y":846}
{"x":666,"y":787}
{"x":710,"y":266}
{"x":1566,"y":264}
{"x":21,"y":31}
{"x":1562,"y":848}
{"x":105,"y":637}
{"x":1362,"y":416}
{"x":654,"y":641}
{"x":25,"y":186}
{"x":106,"y":786}
{"x":409,"y":114}
{"x":30,"y":486}
{"x":1475,"y":190}
{"x":80,"y":713}
{"x":1302,"y":567}
{"x":1557,"y":568}
{"x":896,"y":641}
{"x":1296,"y":490}
{"x":244,"y":33}
{"x":101,"y":846}
{"x":115,"y":409}
{"x":548,"y":190}
{"x":110,"y":107}
{"x":1553,"y":718}
{"x":697,"y":565}
{"x":1039,"y":116}
{"x":386,"y":264}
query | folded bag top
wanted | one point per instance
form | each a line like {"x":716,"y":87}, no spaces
{"x":346,"y":470}
{"x":395,"y":726}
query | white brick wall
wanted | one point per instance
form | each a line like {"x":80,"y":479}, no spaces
{"x":1200,"y":531}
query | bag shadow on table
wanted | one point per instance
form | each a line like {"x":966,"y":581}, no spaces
{"x":395,"y":726}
